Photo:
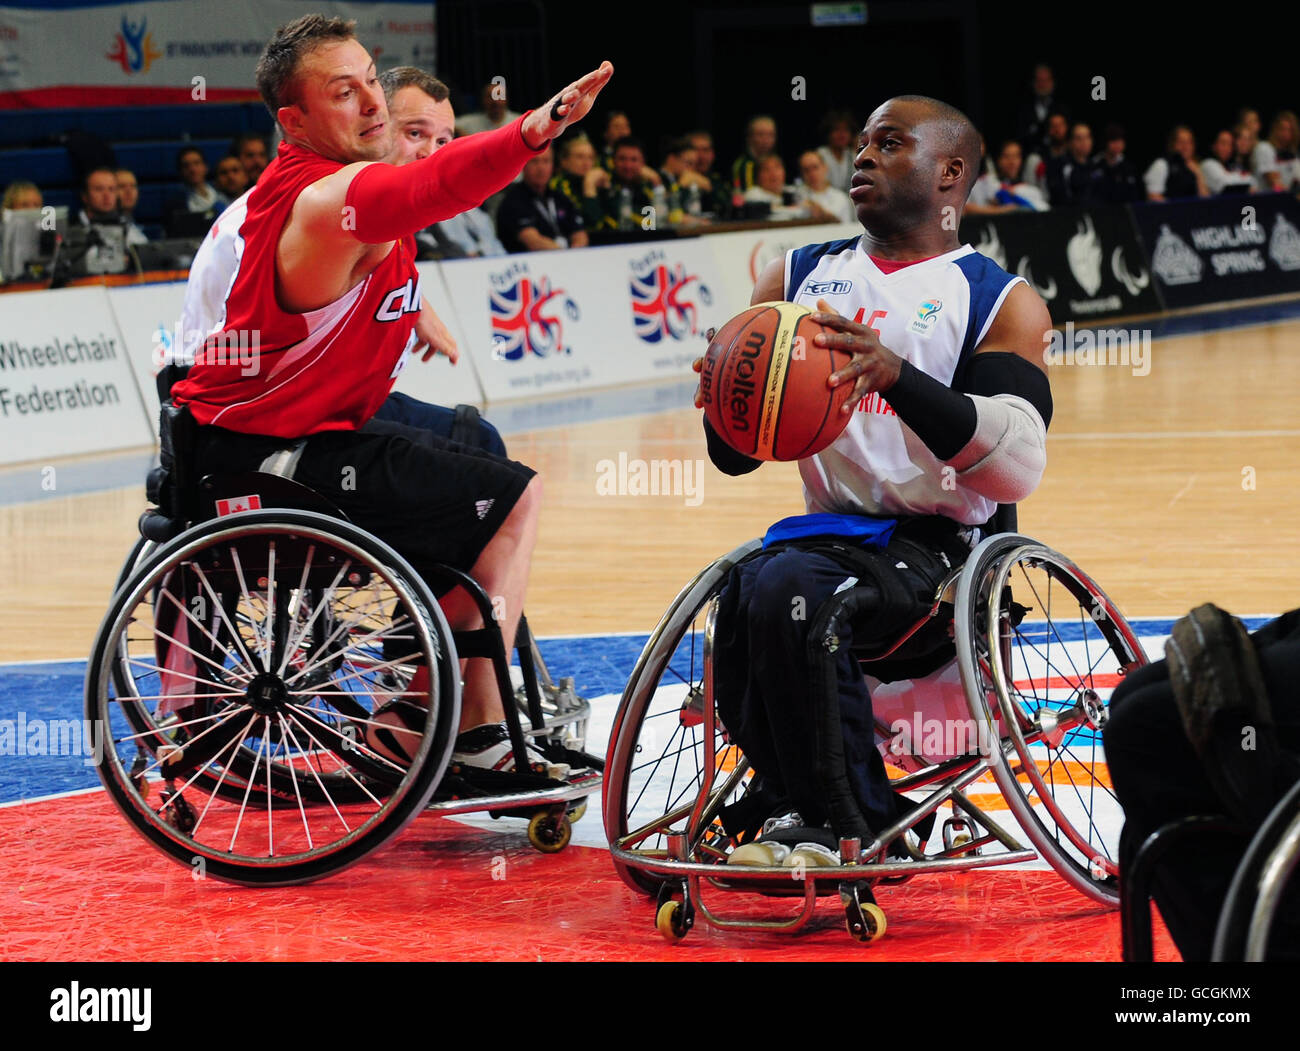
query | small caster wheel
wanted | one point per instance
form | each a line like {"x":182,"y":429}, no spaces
{"x":672,"y":921}
{"x":575,"y":815}
{"x":548,"y":833}
{"x":138,"y":767}
{"x":872,"y":925}
{"x":177,"y":812}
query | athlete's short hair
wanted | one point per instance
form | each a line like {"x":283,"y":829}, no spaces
{"x":277,"y":69}
{"x":393,"y":80}
{"x":957,"y":133}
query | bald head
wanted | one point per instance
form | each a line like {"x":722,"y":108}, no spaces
{"x":953,"y":132}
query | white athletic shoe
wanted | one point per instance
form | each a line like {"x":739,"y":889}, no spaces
{"x":488,"y":748}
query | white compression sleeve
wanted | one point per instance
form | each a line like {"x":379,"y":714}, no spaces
{"x":1005,"y":458}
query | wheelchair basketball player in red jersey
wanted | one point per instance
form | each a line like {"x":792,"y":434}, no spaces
{"x":326,"y":278}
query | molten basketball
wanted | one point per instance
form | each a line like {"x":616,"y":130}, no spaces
{"x":764,"y":384}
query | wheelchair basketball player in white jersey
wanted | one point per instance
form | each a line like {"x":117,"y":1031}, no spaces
{"x":949,"y":414}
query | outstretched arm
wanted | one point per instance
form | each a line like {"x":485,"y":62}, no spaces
{"x":386,"y":203}
{"x":374,"y":203}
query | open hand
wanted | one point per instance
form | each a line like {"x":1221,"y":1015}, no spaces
{"x":567,"y":108}
{"x":434,"y":335}
{"x":874,"y":366}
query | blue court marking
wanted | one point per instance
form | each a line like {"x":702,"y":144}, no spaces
{"x":45,"y":693}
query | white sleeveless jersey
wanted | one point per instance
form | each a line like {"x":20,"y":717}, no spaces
{"x":934,"y":313}
{"x":211,"y":275}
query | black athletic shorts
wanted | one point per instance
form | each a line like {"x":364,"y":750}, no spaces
{"x":432,"y":499}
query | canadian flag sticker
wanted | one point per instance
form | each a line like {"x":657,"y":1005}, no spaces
{"x":238,"y":503}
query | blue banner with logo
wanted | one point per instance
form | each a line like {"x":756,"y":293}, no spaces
{"x":1216,"y":249}
{"x":1085,"y":263}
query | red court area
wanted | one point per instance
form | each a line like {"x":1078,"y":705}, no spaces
{"x":80,"y":885}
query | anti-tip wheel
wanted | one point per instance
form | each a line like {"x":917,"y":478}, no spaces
{"x":669,"y":921}
{"x":874,"y":923}
{"x":548,"y":833}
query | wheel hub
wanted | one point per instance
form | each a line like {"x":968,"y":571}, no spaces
{"x":267,"y":693}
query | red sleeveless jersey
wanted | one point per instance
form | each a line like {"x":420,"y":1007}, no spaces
{"x":289,"y":375}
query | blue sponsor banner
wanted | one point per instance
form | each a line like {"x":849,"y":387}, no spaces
{"x":1217,"y":249}
{"x":1085,"y":263}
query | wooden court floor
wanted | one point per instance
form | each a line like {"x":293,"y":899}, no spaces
{"x":1173,"y":488}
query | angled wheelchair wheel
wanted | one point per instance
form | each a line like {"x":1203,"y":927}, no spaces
{"x":655,"y":764}
{"x":250,"y":676}
{"x":157,"y":713}
{"x":1040,"y":648}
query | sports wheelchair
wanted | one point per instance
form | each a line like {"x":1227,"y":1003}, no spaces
{"x":261,"y":677}
{"x":1032,"y":677}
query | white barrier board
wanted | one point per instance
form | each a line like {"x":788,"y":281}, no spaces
{"x":148,"y":317}
{"x":548,"y":322}
{"x":66,"y":385}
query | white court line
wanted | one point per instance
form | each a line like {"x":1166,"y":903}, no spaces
{"x":55,"y":795}
{"x":1151,"y":436}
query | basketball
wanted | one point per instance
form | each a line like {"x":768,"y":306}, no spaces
{"x":764,"y":384}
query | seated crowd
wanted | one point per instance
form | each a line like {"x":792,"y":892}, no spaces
{"x":583,"y":188}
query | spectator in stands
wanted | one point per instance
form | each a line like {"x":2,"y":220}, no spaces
{"x":128,"y":192}
{"x":1223,"y":170}
{"x":535,"y":218}
{"x":198,"y":194}
{"x":21,"y":196}
{"x":823,"y":202}
{"x":1275,"y":163}
{"x":1035,"y":113}
{"x":230,"y":177}
{"x":579,"y":175}
{"x":1119,"y":182}
{"x":1073,"y":178}
{"x":466,"y":236}
{"x":616,"y":127}
{"x":253,"y":152}
{"x":496,"y":111}
{"x":628,"y":192}
{"x":678,"y":173}
{"x":837,"y":153}
{"x":760,"y":142}
{"x":769,"y":188}
{"x":99,"y":201}
{"x":1250,"y":118}
{"x":1177,"y":173}
{"x":705,"y":159}
{"x":1245,"y":139}
{"x":1058,"y":133}
{"x":1002,"y":190}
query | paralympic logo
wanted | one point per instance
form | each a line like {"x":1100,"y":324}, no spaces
{"x":133,"y":47}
